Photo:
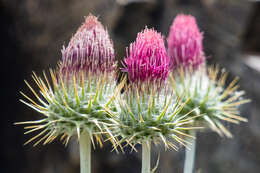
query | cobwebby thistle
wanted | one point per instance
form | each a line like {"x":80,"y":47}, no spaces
{"x":204,"y":87}
{"x":147,"y":110}
{"x":185,"y":47}
{"x":80,"y":91}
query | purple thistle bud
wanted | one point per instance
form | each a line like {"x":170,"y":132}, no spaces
{"x":90,"y":50}
{"x":185,"y":46}
{"x":147,"y":59}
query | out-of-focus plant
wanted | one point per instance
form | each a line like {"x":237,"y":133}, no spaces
{"x":204,"y":86}
{"x":147,"y":110}
{"x":80,"y":91}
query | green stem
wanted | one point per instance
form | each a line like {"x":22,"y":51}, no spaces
{"x":146,"y":157}
{"x":85,"y":152}
{"x":190,"y":155}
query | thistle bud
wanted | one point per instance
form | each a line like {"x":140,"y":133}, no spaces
{"x":185,"y":46}
{"x":77,"y":95}
{"x":149,"y":114}
{"x":147,"y":59}
{"x":90,"y":50}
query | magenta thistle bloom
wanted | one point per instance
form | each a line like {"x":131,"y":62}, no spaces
{"x":89,"y":50}
{"x":185,"y":46}
{"x":147,"y":59}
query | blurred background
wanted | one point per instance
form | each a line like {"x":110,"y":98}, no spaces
{"x":34,"y":31}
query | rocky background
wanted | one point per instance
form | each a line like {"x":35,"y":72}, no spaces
{"x":33,"y":32}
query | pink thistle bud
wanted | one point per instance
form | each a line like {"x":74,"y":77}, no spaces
{"x":90,"y":50}
{"x":147,"y":59}
{"x":185,"y":46}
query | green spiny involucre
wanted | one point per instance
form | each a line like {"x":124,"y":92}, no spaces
{"x":207,"y":92}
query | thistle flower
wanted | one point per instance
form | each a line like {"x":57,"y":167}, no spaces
{"x":185,"y":46}
{"x":147,"y":58}
{"x":204,"y":90}
{"x":80,"y":92}
{"x":215,"y":103}
{"x":147,"y":110}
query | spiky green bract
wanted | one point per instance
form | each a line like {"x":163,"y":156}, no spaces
{"x":71,"y":105}
{"x":151,"y":114}
{"x":207,"y":92}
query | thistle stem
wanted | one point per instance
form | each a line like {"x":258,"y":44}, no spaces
{"x":146,"y":157}
{"x":85,"y":152}
{"x":190,"y":155}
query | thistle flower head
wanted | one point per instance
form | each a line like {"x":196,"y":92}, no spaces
{"x":214,"y":101}
{"x":90,"y":50}
{"x":147,"y":59}
{"x":185,"y":46}
{"x":147,"y":110}
{"x":80,"y":91}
